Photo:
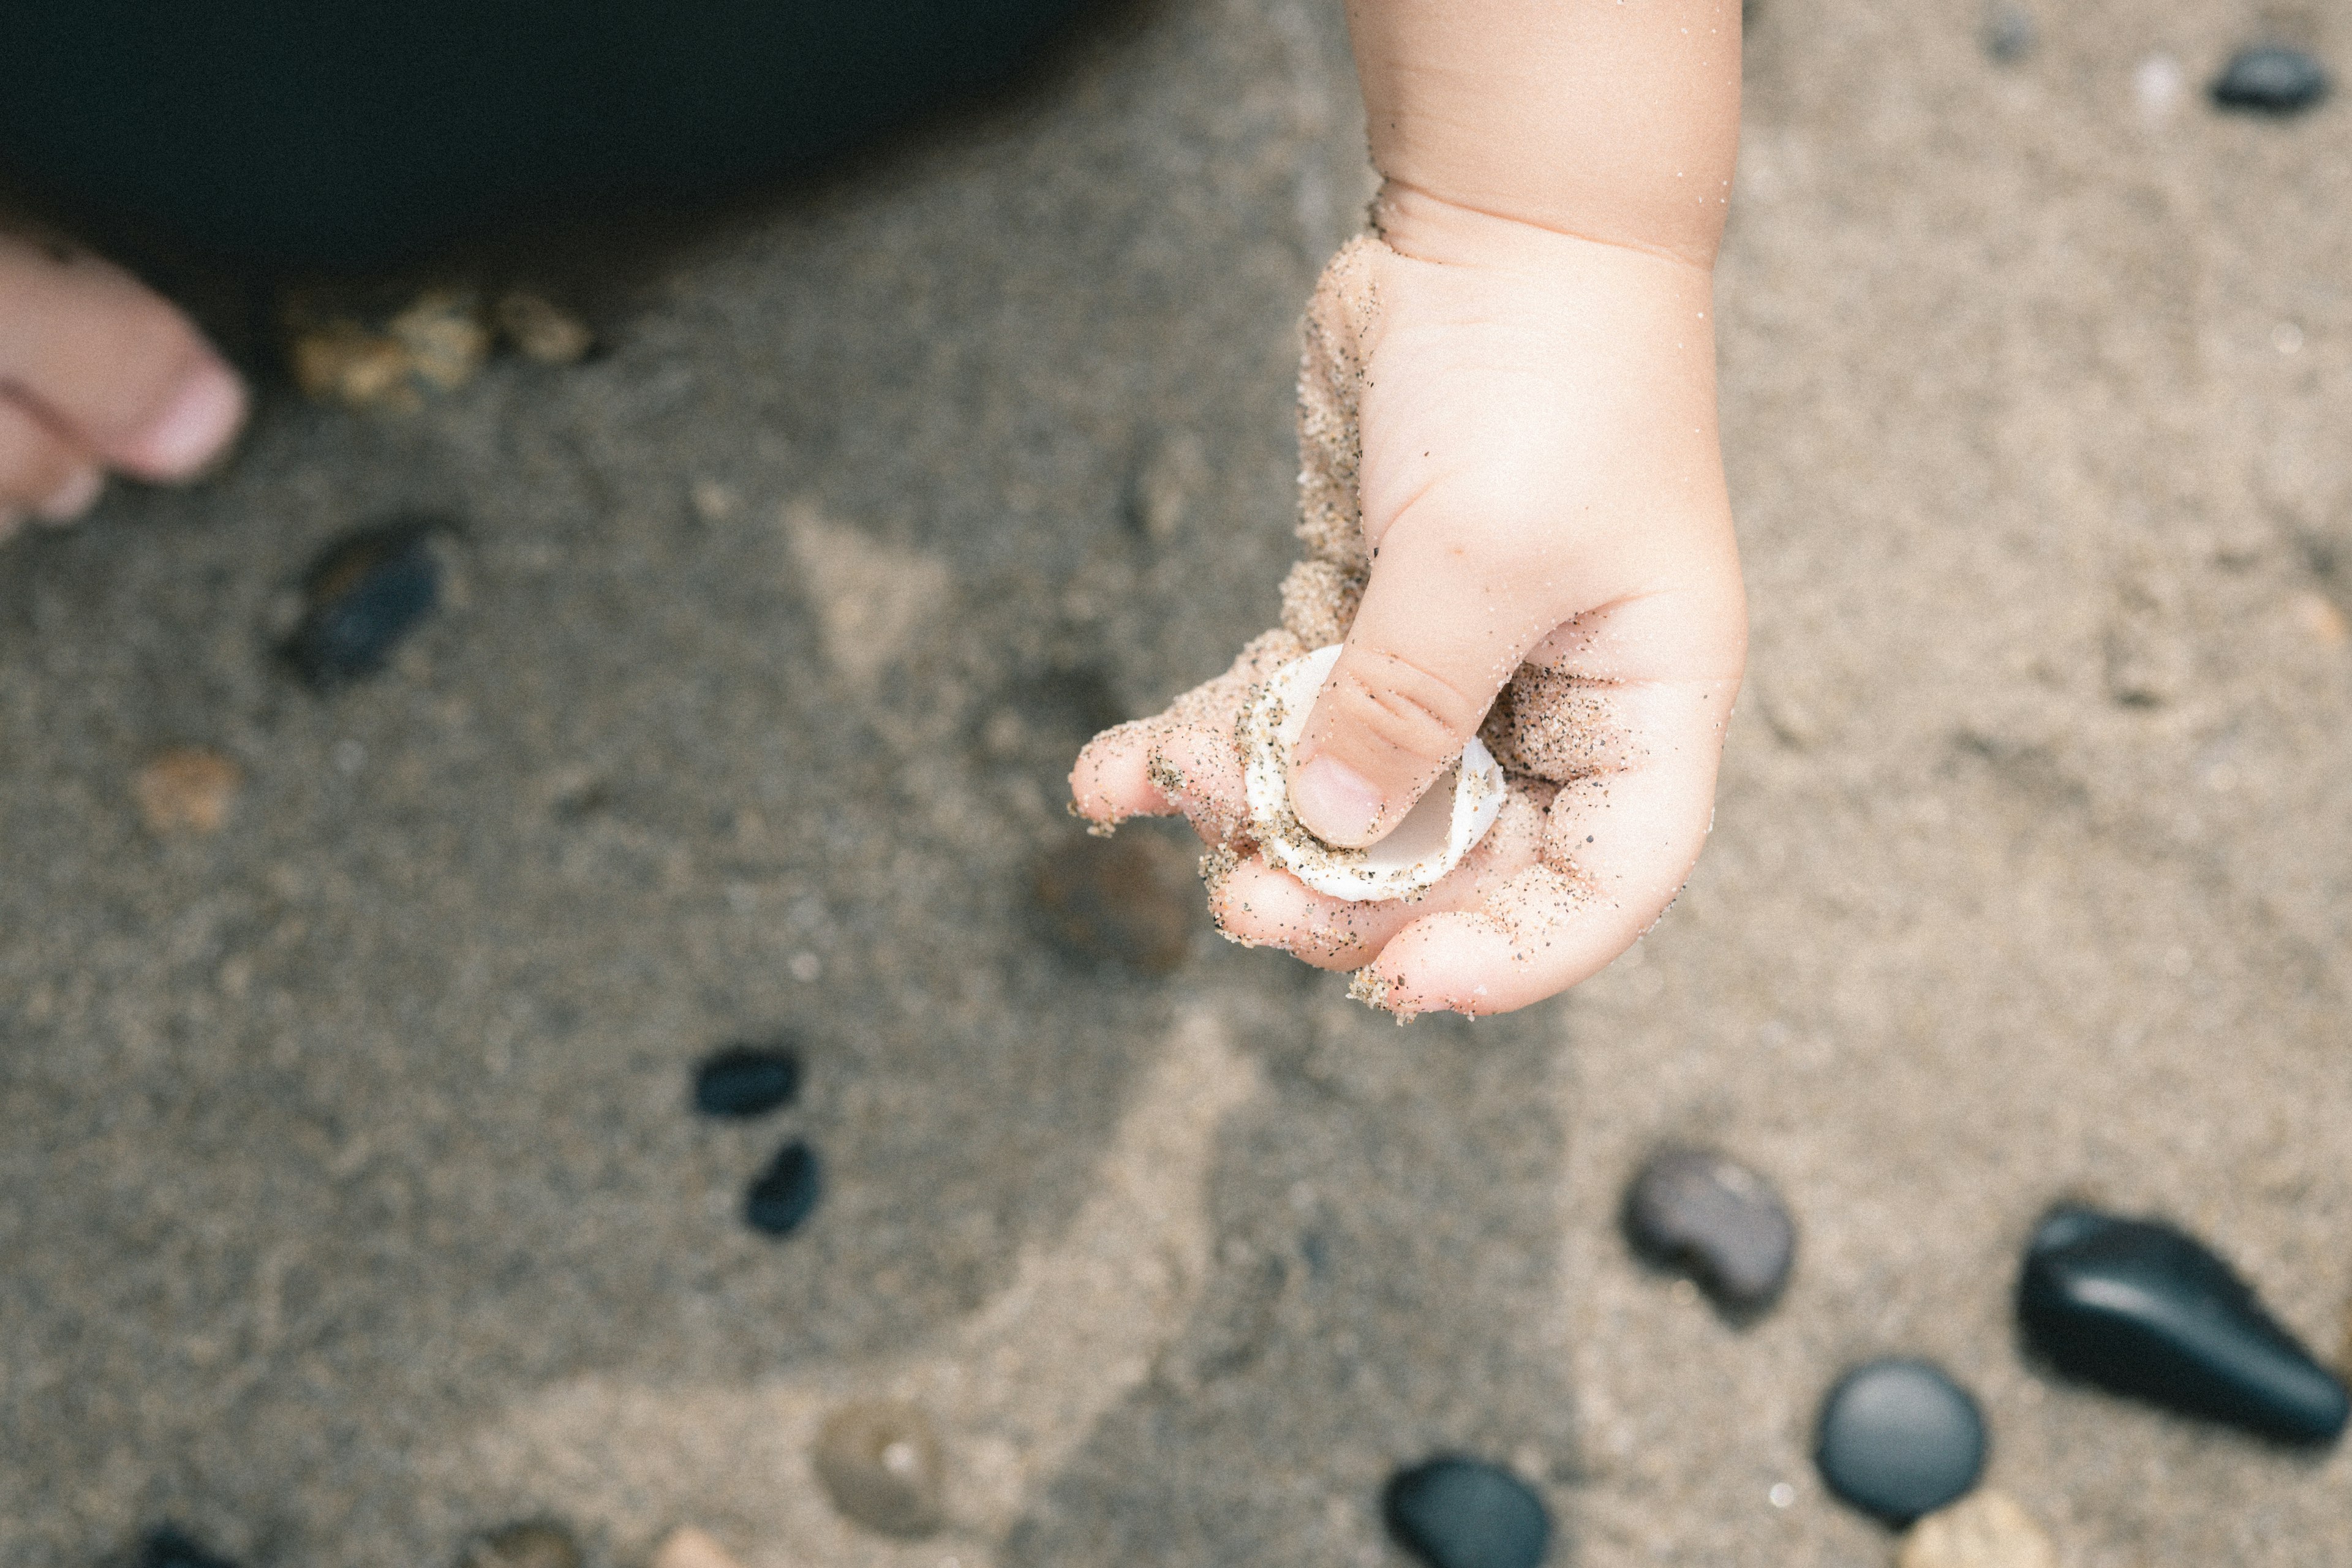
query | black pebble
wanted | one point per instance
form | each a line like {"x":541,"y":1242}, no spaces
{"x":1453,"y":1513}
{"x":1704,"y":1213}
{"x":2142,"y":1309}
{"x":785,"y":1191}
{"x":1898,"y":1438}
{"x":361,"y":597}
{"x":747,"y":1081}
{"x":169,"y":1547}
{"x":2271,"y":80}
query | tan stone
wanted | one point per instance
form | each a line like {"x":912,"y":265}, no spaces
{"x":186,"y":790}
{"x":345,"y":363}
{"x":880,"y":1462}
{"x":687,"y":1547}
{"x":541,"y":329}
{"x":1984,"y":1530}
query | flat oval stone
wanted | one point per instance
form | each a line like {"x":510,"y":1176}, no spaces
{"x":361,"y":598}
{"x":1456,"y":1512}
{"x":1984,"y":1530}
{"x":2271,"y":80}
{"x":746,"y":1079}
{"x":2140,"y":1307}
{"x":534,"y":1543}
{"x":878,"y":1460}
{"x":1701,"y":1213}
{"x":1133,"y":901}
{"x":781,"y":1198}
{"x":168,"y":1546}
{"x":1898,"y":1438}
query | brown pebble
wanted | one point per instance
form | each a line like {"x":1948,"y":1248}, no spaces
{"x":1134,"y":899}
{"x":443,"y":333}
{"x":342,"y":362}
{"x":687,"y":1547}
{"x":1983,"y":1530}
{"x":880,"y":1462}
{"x":2321,"y":619}
{"x":540,"y":330}
{"x":535,"y":1543}
{"x":186,"y":790}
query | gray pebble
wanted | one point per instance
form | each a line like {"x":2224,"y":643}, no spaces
{"x":1704,"y":1213}
{"x":1898,"y":1438}
{"x":535,"y":1543}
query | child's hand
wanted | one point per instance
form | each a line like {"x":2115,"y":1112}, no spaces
{"x":1540,"y":494}
{"x":97,"y":372}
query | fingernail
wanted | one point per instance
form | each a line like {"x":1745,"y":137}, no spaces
{"x":74,"y":497}
{"x":1335,"y":803}
{"x":195,"y":426}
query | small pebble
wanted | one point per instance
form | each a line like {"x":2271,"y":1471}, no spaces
{"x":1133,"y":901}
{"x":342,"y":362}
{"x":361,"y":598}
{"x":687,"y":1547}
{"x":541,"y":331}
{"x":1704,"y":1213}
{"x":2271,"y":80}
{"x":743,"y":1080}
{"x":445,"y":337}
{"x":1453,"y":1513}
{"x":534,"y":1543}
{"x":1898,"y":1438}
{"x":186,"y":789}
{"x":170,"y":1547}
{"x":2140,"y":1307}
{"x":2008,"y":33}
{"x":782,"y":1195}
{"x":1983,"y":1530}
{"x":878,"y":1460}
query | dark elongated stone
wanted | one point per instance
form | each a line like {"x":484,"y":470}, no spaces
{"x":746,"y":1079}
{"x":2271,"y":80}
{"x":1456,"y":1512}
{"x":1898,"y":1438}
{"x":783,"y":1194}
{"x":168,"y":1546}
{"x":1706,"y":1215}
{"x":2143,"y":1308}
{"x":361,"y":598}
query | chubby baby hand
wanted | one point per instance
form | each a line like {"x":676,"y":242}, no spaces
{"x":1513,"y":509}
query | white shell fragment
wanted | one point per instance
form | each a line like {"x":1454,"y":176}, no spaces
{"x":1442,"y":827}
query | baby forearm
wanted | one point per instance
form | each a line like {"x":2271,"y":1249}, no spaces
{"x":1615,"y":120}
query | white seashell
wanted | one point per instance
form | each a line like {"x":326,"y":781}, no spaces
{"x":1442,"y":827}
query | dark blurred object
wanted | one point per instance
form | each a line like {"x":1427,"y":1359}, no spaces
{"x":1133,"y":901}
{"x":1701,"y":1212}
{"x":2009,"y":34}
{"x":535,"y":1543}
{"x":2271,"y":80}
{"x":1898,"y":1438}
{"x":783,"y":1194}
{"x":361,"y":598}
{"x":168,"y":1547}
{"x":1453,"y":1513}
{"x":2143,"y":1309}
{"x":746,"y":1079}
{"x":343,"y":132}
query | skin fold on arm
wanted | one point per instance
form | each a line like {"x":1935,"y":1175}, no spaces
{"x":1513,"y":504}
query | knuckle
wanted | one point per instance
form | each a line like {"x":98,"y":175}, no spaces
{"x":1403,"y":706}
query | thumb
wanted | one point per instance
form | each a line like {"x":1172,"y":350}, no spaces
{"x":1434,"y":642}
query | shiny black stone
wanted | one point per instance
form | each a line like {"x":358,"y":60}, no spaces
{"x":361,"y":598}
{"x":2142,"y":1309}
{"x":169,"y":1547}
{"x":1453,"y":1513}
{"x":1706,"y":1215}
{"x":1898,"y":1438}
{"x":785,"y":1191}
{"x":2271,"y":80}
{"x":747,"y":1081}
